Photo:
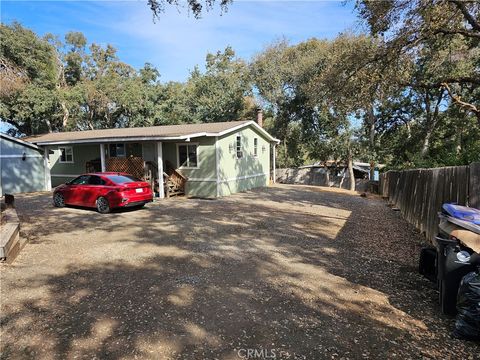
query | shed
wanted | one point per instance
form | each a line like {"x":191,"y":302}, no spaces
{"x":22,"y":166}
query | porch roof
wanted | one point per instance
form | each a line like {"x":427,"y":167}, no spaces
{"x":160,"y":133}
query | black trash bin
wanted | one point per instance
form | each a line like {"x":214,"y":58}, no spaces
{"x":452,"y":266}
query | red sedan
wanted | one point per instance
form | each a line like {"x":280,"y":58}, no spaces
{"x":103,"y":191}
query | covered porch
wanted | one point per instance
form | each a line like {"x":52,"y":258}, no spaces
{"x":144,"y":160}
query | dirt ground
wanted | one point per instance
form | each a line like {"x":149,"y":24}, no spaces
{"x":286,"y":272}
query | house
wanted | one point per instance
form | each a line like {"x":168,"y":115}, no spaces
{"x":22,"y":166}
{"x":204,"y":160}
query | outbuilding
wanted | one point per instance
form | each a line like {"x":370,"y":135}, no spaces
{"x":203,"y":160}
{"x":22,"y":166}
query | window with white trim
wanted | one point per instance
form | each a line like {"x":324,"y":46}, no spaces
{"x":239,"y":147}
{"x":187,"y":155}
{"x":255,"y":147}
{"x":66,"y":154}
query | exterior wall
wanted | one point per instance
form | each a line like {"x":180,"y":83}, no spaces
{"x":18,"y":175}
{"x":202,"y":179}
{"x":234,"y":174}
{"x":63,"y":172}
{"x":149,"y":151}
{"x":247,"y":172}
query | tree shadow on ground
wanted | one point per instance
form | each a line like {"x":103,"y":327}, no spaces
{"x":306,"y":273}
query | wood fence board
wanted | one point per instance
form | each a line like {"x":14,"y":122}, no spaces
{"x":420,"y":193}
{"x":474,"y":185}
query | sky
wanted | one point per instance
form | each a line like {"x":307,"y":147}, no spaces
{"x":177,"y":41}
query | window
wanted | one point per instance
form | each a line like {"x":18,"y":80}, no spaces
{"x":81,"y":180}
{"x":116,"y":150}
{"x":239,"y":147}
{"x":125,"y":150}
{"x":187,"y":155}
{"x":122,"y":179}
{"x":66,"y":154}
{"x":96,"y":180}
{"x":255,"y":147}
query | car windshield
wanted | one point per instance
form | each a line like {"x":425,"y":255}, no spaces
{"x":122,"y":179}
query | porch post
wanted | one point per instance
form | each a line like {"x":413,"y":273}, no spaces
{"x":48,"y":178}
{"x":102,"y":157}
{"x":161,"y":191}
{"x":217,"y":165}
{"x":274,"y":165}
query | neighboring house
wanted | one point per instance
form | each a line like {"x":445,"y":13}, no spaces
{"x":213,"y":159}
{"x":22,"y":166}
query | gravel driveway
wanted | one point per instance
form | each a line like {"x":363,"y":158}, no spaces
{"x":286,"y":272}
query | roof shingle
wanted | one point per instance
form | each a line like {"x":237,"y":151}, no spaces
{"x":183,"y":130}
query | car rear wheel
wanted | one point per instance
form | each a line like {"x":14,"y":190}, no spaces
{"x":58,"y":200}
{"x":103,"y":206}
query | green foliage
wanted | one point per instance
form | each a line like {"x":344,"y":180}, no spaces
{"x":73,"y":85}
{"x":405,"y":99}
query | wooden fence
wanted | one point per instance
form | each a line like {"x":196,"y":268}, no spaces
{"x":420,"y":193}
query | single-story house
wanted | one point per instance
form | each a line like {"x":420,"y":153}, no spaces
{"x":22,"y":166}
{"x":205,"y":160}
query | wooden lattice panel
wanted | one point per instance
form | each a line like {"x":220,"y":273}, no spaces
{"x":129,"y":165}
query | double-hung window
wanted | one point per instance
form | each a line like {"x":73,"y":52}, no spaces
{"x":66,"y":154}
{"x":255,"y":147}
{"x":239,"y":147}
{"x":188,"y":155}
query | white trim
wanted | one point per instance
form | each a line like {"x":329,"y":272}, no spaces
{"x":64,"y":175}
{"x":241,"y":126}
{"x":161,"y":190}
{"x":217,"y":165}
{"x":46,"y":170}
{"x":255,"y":147}
{"x":196,"y":154}
{"x":102,"y":158}
{"x":66,"y":161}
{"x":239,"y":136}
{"x":21,"y":156}
{"x":274,"y":165}
{"x":19,"y":141}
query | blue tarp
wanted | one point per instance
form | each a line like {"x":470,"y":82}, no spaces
{"x":464,"y":213}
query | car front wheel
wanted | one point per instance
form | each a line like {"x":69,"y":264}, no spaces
{"x":103,"y":206}
{"x":58,"y":200}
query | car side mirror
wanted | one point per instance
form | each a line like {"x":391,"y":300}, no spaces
{"x":68,"y":183}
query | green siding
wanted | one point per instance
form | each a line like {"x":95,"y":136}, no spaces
{"x":202,"y":179}
{"x":81,"y":154}
{"x":252,"y":171}
{"x":234,"y":174}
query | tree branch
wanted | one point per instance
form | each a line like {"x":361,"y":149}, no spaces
{"x":466,"y":14}
{"x":458,"y":32}
{"x":458,"y":100}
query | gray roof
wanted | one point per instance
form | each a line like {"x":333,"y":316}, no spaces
{"x":164,"y":132}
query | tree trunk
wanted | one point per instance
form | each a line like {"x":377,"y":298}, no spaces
{"x":409,"y":130}
{"x":458,"y":147}
{"x":432,"y":120}
{"x":350,"y":171}
{"x":66,"y":115}
{"x":371,"y":122}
